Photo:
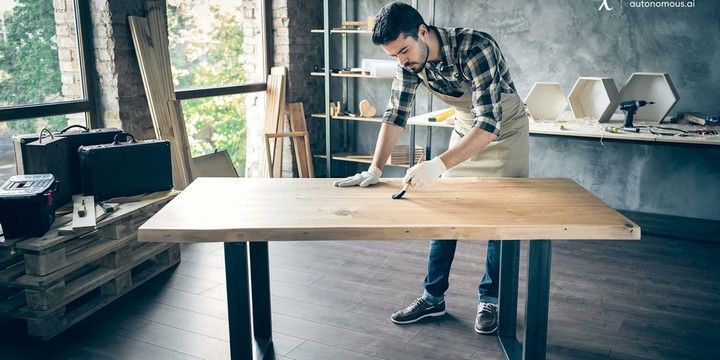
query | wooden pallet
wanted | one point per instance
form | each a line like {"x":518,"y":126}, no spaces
{"x":81,"y":300}
{"x":56,"y":280}
{"x":53,"y":251}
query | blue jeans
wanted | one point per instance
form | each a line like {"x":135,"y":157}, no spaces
{"x":440,"y":257}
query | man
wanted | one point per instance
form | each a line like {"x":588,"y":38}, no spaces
{"x":465,"y":69}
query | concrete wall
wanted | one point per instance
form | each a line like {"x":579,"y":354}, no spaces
{"x":559,"y":40}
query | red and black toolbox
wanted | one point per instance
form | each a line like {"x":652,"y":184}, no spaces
{"x":27,"y":205}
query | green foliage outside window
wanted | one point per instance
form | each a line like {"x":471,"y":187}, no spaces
{"x":207,"y":57}
{"x":29,"y":66}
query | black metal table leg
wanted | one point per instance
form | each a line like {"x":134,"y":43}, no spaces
{"x":238,"y":298}
{"x":507,"y":310}
{"x":262,"y":314}
{"x":538,"y":299}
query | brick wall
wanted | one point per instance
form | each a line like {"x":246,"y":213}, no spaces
{"x":120,"y":92}
{"x":120,"y":89}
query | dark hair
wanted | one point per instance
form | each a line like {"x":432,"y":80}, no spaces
{"x":394,"y":19}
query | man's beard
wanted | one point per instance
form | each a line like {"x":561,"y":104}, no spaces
{"x":424,"y":53}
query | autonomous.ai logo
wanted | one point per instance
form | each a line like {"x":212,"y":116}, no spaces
{"x":605,"y":6}
{"x":647,"y":4}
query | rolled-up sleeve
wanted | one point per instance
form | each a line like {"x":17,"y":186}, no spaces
{"x":485,"y":72}
{"x":402,"y":97}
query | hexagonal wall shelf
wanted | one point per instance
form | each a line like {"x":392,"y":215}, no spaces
{"x":546,"y":101}
{"x":655,"y":87}
{"x":594,"y":97}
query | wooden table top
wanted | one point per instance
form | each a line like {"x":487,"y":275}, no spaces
{"x":245,"y":209}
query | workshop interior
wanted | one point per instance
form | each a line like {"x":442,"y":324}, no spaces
{"x":359,"y":179}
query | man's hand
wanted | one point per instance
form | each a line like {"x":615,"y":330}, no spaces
{"x":424,"y":173}
{"x":364,"y":179}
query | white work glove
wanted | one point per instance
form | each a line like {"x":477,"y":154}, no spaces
{"x":424,"y":173}
{"x":364,"y":179}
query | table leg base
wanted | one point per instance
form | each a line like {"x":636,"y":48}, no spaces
{"x":248,"y":296}
{"x":263,"y":349}
{"x":534,"y":344}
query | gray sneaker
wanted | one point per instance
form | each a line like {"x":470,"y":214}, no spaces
{"x":419,"y":309}
{"x":486,"y":320}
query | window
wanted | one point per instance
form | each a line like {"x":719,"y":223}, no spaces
{"x":217,"y":52}
{"x":215,"y":43}
{"x":39,"y":53}
{"x":43,"y":67}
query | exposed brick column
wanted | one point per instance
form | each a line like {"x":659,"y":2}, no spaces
{"x":121,"y":95}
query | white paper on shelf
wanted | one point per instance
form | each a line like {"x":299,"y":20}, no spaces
{"x":379,"y":68}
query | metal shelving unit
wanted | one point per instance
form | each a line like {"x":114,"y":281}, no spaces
{"x":342,"y":120}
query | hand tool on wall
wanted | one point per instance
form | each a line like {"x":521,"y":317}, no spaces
{"x":630,"y":107}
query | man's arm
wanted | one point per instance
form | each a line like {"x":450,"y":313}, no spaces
{"x":388,"y":137}
{"x":485,"y":67}
{"x":472,"y":143}
{"x":402,"y":96}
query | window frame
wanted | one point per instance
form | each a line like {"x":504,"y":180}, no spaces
{"x":83,"y":24}
{"x":83,"y":27}
{"x":211,"y":91}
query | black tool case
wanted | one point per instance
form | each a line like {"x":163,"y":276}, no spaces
{"x":83,"y":137}
{"x":27,"y":205}
{"x":125,"y":168}
{"x":49,"y":155}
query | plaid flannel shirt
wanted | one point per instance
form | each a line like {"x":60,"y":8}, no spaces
{"x":466,"y":56}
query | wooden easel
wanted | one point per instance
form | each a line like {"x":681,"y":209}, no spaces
{"x":300,"y":140}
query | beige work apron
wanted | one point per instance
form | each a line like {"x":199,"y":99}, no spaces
{"x":508,"y":155}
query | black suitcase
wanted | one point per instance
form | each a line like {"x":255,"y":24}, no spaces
{"x":125,"y":169}
{"x":49,"y":155}
{"x":19,"y":143}
{"x":84,"y":137}
{"x":75,"y":140}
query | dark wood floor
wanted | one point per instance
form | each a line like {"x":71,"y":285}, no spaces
{"x":651,"y":299}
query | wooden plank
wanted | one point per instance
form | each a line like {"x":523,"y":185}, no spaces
{"x":278,"y":150}
{"x":222,"y":209}
{"x":100,"y":214}
{"x":272,"y":112}
{"x":83,"y":213}
{"x":296,"y":113}
{"x":151,"y":46}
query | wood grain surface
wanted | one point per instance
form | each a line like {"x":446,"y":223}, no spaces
{"x":245,"y":209}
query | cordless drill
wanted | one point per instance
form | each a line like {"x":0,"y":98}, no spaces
{"x":630,"y":107}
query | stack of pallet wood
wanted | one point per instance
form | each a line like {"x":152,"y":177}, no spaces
{"x":401,"y":155}
{"x":56,"y":280}
{"x":150,"y":38}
